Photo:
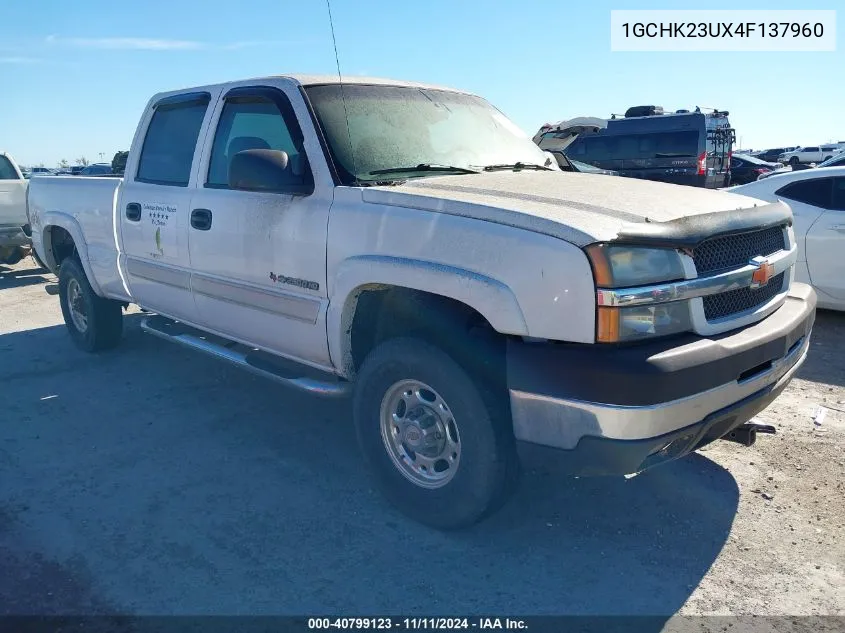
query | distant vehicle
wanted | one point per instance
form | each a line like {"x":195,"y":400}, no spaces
{"x":77,"y":169}
{"x":14,"y":229}
{"x":812,"y":154}
{"x":97,"y":169}
{"x":771,"y":155}
{"x":566,"y":164}
{"x":41,"y":171}
{"x":745,"y":168}
{"x":683,"y":147}
{"x":817,"y":200}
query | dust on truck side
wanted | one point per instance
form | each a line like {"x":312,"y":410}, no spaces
{"x":409,"y":246}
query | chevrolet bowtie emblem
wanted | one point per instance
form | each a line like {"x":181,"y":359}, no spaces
{"x":765,"y":271}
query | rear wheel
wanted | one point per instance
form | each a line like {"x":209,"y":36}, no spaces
{"x":440,"y":451}
{"x":94,"y":323}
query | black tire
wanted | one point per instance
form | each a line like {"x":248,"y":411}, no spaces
{"x":793,"y":161}
{"x":105,"y":317}
{"x":826,"y":158}
{"x":488,"y":466}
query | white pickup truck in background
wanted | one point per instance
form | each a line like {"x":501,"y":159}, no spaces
{"x":14,"y":238}
{"x":815,"y":154}
{"x":409,"y":245}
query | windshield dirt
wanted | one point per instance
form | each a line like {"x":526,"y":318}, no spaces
{"x":398,"y":128}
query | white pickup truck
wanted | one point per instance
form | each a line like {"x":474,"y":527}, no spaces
{"x":816,"y":154}
{"x":408,"y":245}
{"x":14,"y":238}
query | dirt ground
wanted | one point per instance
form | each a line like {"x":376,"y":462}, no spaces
{"x":151,"y":480}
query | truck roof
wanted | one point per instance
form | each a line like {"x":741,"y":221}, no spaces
{"x":313,"y":80}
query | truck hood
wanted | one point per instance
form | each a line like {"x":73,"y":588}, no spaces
{"x":576,"y":207}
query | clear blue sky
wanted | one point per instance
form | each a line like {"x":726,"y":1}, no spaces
{"x":75,"y":76}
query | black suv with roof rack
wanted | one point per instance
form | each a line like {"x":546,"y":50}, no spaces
{"x":682,"y":147}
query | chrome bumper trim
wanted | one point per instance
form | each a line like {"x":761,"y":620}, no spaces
{"x":562,"y":423}
{"x":698,"y":287}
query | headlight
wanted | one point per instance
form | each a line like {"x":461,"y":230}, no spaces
{"x":621,"y":325}
{"x":621,"y":266}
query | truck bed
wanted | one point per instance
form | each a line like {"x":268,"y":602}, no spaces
{"x":88,"y":206}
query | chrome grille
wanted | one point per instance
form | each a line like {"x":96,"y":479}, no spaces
{"x":719,"y":254}
{"x":732,"y":251}
{"x":741,"y":299}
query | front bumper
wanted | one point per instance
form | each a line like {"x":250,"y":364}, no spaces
{"x":620,"y":410}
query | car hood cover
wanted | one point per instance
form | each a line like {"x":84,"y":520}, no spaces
{"x":577,"y":207}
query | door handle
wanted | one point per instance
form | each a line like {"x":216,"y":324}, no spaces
{"x":133,"y":212}
{"x":201,"y":219}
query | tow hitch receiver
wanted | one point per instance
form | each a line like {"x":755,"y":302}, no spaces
{"x":747,"y":433}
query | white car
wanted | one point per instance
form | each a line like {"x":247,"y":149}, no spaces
{"x":817,"y":200}
{"x":409,"y":246}
{"x":814,"y":154}
{"x":13,"y":222}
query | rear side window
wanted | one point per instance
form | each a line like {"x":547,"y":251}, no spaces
{"x":838,"y":194}
{"x":816,"y":192}
{"x":634,"y":146}
{"x":7,"y":172}
{"x":171,"y":140}
{"x":810,"y":149}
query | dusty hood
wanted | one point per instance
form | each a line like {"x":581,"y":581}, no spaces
{"x":580,"y":208}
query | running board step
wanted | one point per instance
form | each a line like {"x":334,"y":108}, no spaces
{"x":260,"y":363}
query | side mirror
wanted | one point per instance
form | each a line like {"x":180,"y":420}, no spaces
{"x":268,"y":170}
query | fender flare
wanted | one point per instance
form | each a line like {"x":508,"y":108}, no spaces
{"x":494,"y":300}
{"x":69,"y":224}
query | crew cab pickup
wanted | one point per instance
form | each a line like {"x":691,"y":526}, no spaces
{"x":407,"y":245}
{"x":804,"y":155}
{"x":14,"y":238}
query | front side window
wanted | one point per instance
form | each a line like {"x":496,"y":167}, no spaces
{"x":248,"y":123}
{"x":7,"y":170}
{"x":370,"y":129}
{"x":816,"y":192}
{"x":169,"y":145}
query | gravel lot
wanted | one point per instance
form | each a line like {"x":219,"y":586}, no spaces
{"x":153,"y":480}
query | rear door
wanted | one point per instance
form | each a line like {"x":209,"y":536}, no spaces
{"x":12,"y":195}
{"x":155,"y":203}
{"x":826,"y":245}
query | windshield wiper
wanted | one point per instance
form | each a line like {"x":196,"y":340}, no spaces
{"x":425,"y":167}
{"x":516,"y":167}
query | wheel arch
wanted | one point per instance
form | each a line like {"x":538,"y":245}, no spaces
{"x":459,"y":290}
{"x":61,"y":237}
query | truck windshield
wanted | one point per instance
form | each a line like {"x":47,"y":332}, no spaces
{"x":393,"y":128}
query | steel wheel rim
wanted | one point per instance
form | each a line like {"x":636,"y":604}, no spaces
{"x":420,"y":434}
{"x":76,"y":306}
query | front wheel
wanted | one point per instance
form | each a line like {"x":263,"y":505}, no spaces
{"x":94,"y":323}
{"x":440,"y":451}
{"x":793,"y":161}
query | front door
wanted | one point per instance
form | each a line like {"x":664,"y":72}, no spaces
{"x":258,"y":256}
{"x":154,"y":207}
